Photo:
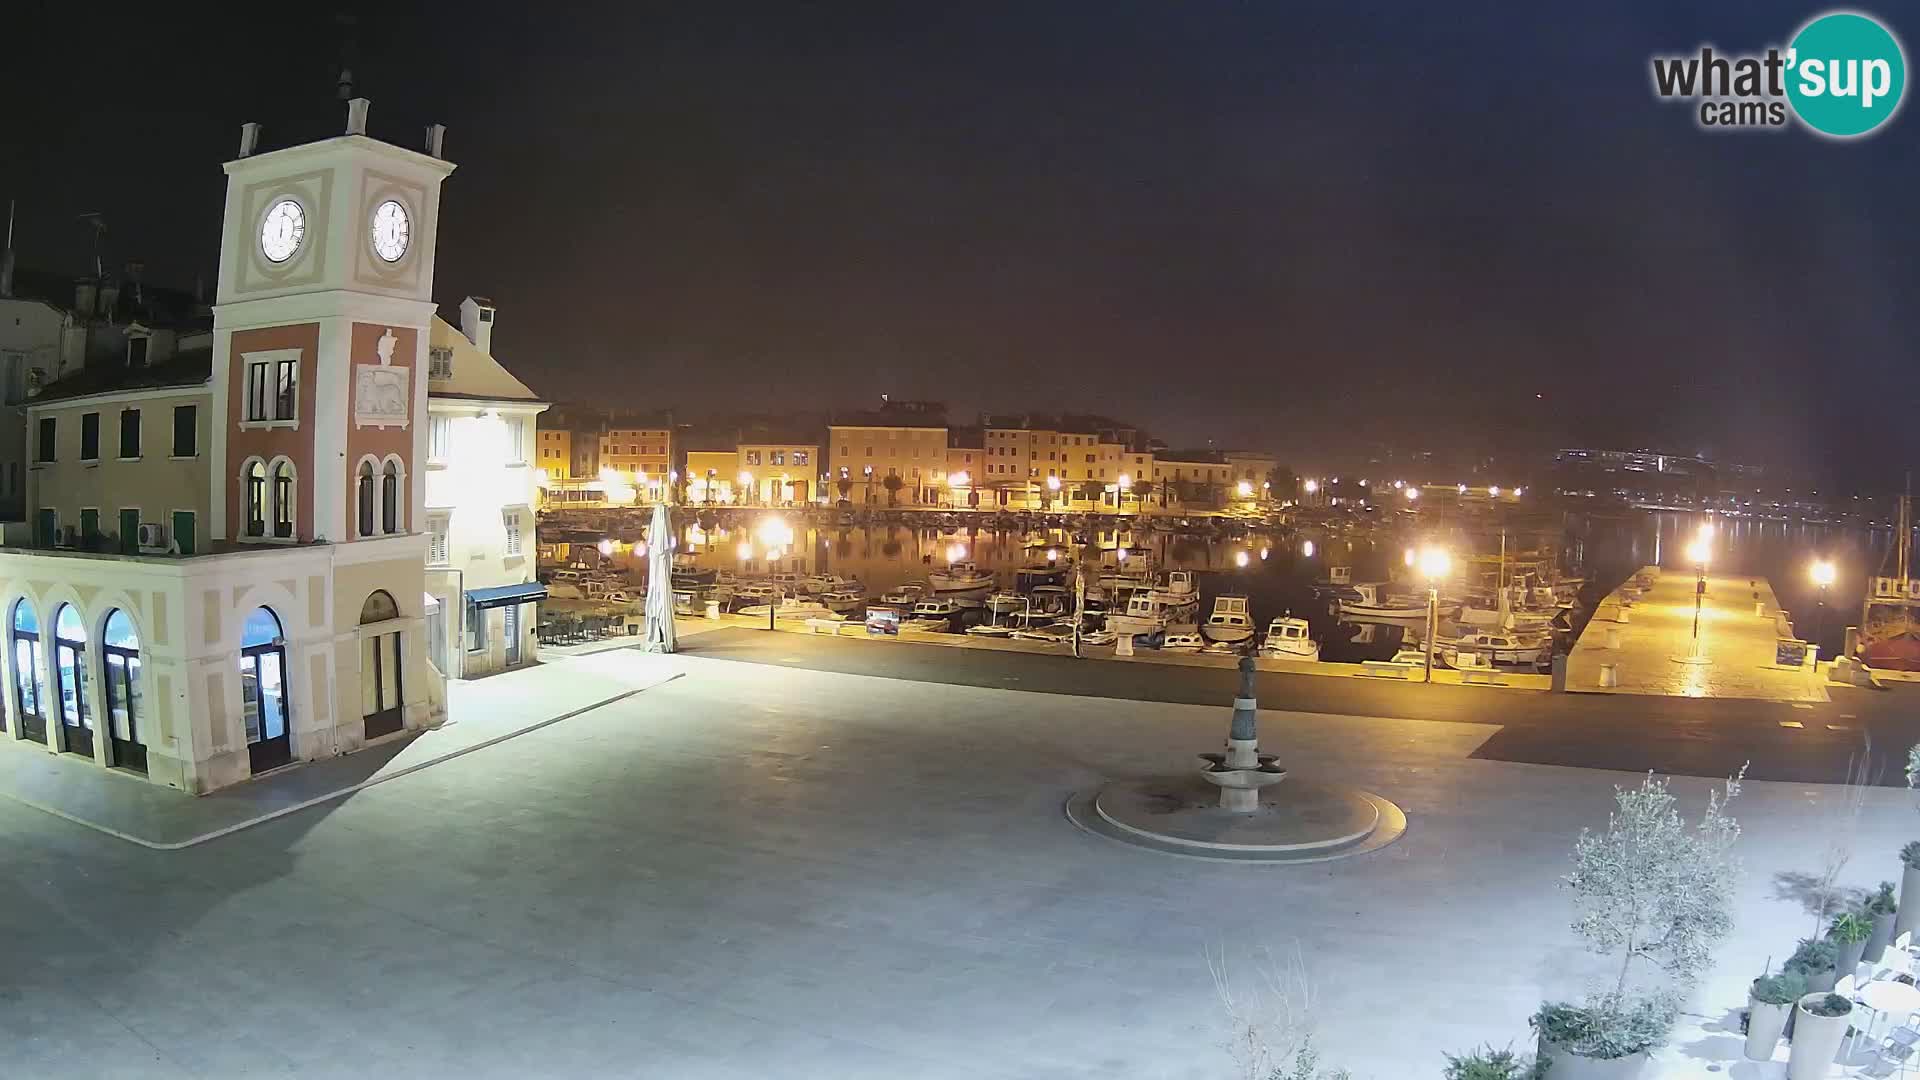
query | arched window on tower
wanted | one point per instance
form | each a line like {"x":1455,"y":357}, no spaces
{"x":365,"y":494}
{"x":256,"y":478}
{"x":283,"y":500}
{"x":390,"y":498}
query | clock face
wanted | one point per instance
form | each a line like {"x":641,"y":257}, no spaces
{"x":391,"y":230}
{"x":282,"y":230}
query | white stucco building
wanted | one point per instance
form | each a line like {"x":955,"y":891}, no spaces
{"x":269,"y":606}
{"x":481,"y":492}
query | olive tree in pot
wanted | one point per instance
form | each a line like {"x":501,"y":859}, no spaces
{"x":1908,"y":916}
{"x":1849,"y":933}
{"x":1487,"y":1063}
{"x":1769,"y":1003}
{"x":1651,"y":889}
{"x":1881,"y":909}
{"x":1820,"y":1023}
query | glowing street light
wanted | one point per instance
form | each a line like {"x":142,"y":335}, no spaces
{"x":606,"y":548}
{"x":1700,"y":552}
{"x":1306,"y":549}
{"x":1121,"y":555}
{"x":1494,"y":490}
{"x":1245,"y":488}
{"x":1409,"y":557}
{"x":1240,"y":558}
{"x":1312,"y":486}
{"x":1463,"y":489}
{"x":1823,"y":574}
{"x":1435,"y":564}
{"x":1412,"y":493}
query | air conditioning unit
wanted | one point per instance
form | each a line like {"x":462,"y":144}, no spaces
{"x":153,"y":537}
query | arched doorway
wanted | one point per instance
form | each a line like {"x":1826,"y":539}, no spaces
{"x":29,"y":685}
{"x":70,"y":680}
{"x":120,"y":666}
{"x":380,"y":686}
{"x":263,"y":690}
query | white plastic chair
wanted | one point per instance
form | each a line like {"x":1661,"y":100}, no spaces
{"x":1904,"y":942}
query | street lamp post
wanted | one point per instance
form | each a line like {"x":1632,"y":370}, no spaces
{"x":1434,"y":565}
{"x":1699,"y":552}
{"x":1823,"y":575}
{"x":1125,"y":484}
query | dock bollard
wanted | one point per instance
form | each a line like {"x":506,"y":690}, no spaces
{"x":1609,"y":675}
{"x":713,"y":610}
{"x":1613,"y":637}
{"x":1759,"y":607}
{"x":1123,"y":645}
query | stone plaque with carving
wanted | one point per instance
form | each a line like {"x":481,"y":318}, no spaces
{"x":381,"y":392}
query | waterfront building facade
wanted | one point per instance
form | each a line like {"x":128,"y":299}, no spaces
{"x":868,"y":450}
{"x":481,"y":490}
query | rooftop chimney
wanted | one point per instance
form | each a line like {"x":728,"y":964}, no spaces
{"x":476,"y":321}
{"x":249,"y":138}
{"x":436,"y":135}
{"x":357,"y":116}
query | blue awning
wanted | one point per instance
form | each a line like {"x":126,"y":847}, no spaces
{"x":504,"y":595}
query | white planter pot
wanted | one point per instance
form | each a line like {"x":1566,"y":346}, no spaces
{"x":1765,"y":1023}
{"x":1909,"y":914}
{"x":1566,"y":1065}
{"x":1882,"y":935}
{"x":1816,"y":1041}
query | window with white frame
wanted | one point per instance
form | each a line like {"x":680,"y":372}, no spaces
{"x":440,"y":362}
{"x":512,"y":521}
{"x":272,"y":391}
{"x":439,"y":431}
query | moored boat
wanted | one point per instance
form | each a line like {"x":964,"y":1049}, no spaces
{"x":1371,"y":601}
{"x":1230,"y":621}
{"x":1289,"y":638}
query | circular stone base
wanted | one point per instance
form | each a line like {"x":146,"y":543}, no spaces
{"x":1298,"y":821}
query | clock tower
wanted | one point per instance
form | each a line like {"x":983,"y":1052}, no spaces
{"x":320,"y":339}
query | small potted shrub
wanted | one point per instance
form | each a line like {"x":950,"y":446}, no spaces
{"x":1819,"y":1024}
{"x":1769,"y":1003}
{"x":1815,"y":962}
{"x":1849,"y":934}
{"x":1881,"y":908}
{"x":1909,"y":914}
{"x":1610,"y":1038}
{"x":1487,"y":1063}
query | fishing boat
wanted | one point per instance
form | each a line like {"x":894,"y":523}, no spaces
{"x":932,"y":615}
{"x":1889,"y":636}
{"x":1371,"y":601}
{"x":686,"y":573}
{"x":926,"y":624}
{"x":1051,"y":599}
{"x":960,"y":577}
{"x":1098,"y":637}
{"x":1230,"y":621}
{"x":1289,"y":638}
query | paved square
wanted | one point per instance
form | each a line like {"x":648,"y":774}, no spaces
{"x":757,"y":871}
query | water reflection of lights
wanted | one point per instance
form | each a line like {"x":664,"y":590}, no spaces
{"x":1306,"y":549}
{"x":1240,"y":558}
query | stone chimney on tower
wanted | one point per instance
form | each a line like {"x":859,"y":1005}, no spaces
{"x":476,"y":321}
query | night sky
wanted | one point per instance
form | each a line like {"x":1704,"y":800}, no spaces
{"x":1310,"y":228}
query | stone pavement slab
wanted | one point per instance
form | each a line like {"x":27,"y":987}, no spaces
{"x":480,"y":714}
{"x":758,"y":871}
{"x":1737,"y":644}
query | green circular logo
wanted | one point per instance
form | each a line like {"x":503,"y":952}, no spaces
{"x":1846,"y":74}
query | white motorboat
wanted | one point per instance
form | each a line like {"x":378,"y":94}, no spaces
{"x":1046,"y":635}
{"x":925,"y":624}
{"x":1230,"y":622}
{"x":961,"y":577}
{"x":1184,"y":641}
{"x":1289,"y":638}
{"x":1004,"y":602}
{"x":1098,"y":637}
{"x":841,"y":599}
{"x":1051,"y":599}
{"x":1497,"y":649}
{"x":791,"y":608}
{"x":997,"y":630}
{"x":1371,"y":601}
{"x":1143,"y":614}
{"x":905,"y":596}
{"x":754,"y":592}
{"x":940,"y":608}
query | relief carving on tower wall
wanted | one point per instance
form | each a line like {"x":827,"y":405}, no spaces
{"x":382,"y":392}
